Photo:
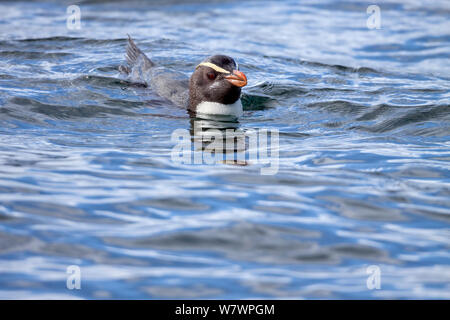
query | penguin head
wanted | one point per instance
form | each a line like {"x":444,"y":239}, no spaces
{"x":216,"y":79}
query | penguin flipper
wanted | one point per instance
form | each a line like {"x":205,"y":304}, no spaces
{"x":168,"y":84}
{"x":135,"y":55}
{"x":138,"y":63}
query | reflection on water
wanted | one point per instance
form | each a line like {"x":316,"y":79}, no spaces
{"x":217,"y":141}
{"x":361,"y":119}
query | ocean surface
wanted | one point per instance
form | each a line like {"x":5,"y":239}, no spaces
{"x":358,"y":208}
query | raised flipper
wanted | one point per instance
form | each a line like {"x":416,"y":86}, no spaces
{"x":138,"y":64}
{"x":169,"y":84}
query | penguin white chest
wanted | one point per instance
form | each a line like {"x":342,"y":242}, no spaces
{"x":207,"y":107}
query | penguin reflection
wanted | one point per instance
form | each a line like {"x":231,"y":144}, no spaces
{"x":222,"y":140}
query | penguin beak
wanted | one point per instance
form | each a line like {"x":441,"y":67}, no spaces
{"x":237,"y":79}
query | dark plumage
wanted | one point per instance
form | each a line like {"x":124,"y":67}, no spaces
{"x":219,"y":83}
{"x":219,"y":89}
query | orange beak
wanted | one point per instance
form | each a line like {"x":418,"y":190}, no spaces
{"x":237,"y":79}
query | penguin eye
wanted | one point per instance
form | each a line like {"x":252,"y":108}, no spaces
{"x":211,"y":75}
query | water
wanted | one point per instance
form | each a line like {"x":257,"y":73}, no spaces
{"x":86,"y":176}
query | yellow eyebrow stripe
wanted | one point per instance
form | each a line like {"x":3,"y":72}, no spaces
{"x":213,"y":66}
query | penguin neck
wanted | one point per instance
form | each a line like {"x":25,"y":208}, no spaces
{"x":216,"y":108}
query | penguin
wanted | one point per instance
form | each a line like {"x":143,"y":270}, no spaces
{"x":214,"y":87}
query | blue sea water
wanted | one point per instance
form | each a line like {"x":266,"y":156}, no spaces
{"x":87,"y":178}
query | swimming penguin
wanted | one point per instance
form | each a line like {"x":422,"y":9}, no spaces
{"x":214,"y":87}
